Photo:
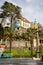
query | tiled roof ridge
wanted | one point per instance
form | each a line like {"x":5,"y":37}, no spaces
{"x":24,"y":19}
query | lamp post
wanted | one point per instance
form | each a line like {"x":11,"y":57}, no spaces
{"x":37,"y":50}
{"x":37,"y":45}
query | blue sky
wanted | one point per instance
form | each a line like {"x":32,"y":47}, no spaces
{"x":31,"y":9}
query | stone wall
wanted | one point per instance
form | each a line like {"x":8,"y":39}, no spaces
{"x":19,"y":43}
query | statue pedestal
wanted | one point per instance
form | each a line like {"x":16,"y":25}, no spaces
{"x":34,"y":58}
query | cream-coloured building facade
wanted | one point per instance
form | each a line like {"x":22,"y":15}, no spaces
{"x":22,"y":22}
{"x":25,"y":24}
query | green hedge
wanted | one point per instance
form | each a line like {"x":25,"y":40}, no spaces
{"x":22,"y":52}
{"x":41,"y":52}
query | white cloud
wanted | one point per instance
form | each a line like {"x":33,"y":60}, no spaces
{"x":28,"y":10}
{"x":32,"y":12}
{"x":28,"y":0}
{"x":39,"y":16}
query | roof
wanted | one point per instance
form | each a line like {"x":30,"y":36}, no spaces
{"x":2,"y":45}
{"x":24,"y":19}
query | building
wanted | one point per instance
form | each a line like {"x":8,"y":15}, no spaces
{"x":21,"y":23}
{"x":6,"y":22}
{"x":25,"y":23}
{"x":17,"y":23}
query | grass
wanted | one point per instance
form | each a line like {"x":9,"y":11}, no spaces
{"x":22,"y":52}
{"x":41,"y":52}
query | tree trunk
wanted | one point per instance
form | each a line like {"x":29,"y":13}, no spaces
{"x":11,"y":34}
{"x":31,"y":42}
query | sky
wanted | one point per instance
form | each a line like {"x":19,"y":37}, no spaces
{"x":31,"y":9}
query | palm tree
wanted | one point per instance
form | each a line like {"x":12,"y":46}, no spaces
{"x":10,"y":10}
{"x":31,"y":35}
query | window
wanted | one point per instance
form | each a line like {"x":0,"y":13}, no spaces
{"x":7,"y":23}
{"x":41,"y":41}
